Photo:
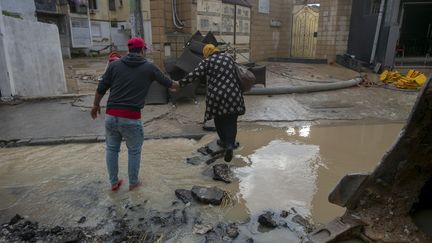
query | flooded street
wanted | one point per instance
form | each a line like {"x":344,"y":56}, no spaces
{"x":275,"y":168}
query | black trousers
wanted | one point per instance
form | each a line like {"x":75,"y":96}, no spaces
{"x":226,"y":128}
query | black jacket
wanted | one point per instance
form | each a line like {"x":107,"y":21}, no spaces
{"x":129,"y":80}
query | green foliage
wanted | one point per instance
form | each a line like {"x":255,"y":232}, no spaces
{"x":11,"y":14}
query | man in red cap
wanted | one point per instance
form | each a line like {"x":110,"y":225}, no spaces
{"x":128,"y":80}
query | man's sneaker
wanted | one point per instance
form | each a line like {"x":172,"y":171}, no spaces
{"x":228,"y":155}
{"x":116,"y":186}
{"x":132,"y":187}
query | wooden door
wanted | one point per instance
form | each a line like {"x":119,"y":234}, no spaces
{"x":305,"y":28}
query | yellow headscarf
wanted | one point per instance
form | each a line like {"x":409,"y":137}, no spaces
{"x":209,"y":49}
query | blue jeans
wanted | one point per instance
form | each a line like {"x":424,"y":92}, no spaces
{"x":131,"y":130}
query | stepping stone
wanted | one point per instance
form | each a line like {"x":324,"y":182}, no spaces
{"x":208,"y":195}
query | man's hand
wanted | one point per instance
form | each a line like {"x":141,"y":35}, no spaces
{"x":175,"y":86}
{"x":95,"y":111}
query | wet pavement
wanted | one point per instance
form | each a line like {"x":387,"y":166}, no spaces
{"x":71,"y":117}
{"x":275,"y":168}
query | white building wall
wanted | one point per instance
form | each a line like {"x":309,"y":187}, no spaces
{"x":100,"y":34}
{"x":119,"y":36}
{"x":35,"y":58}
{"x":25,"y":8}
{"x":103,"y":35}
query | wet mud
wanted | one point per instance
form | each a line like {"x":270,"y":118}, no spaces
{"x":275,"y":169}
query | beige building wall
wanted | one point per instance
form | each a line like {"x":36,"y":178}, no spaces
{"x":104,"y":14}
{"x":271,"y":41}
{"x":333,"y":28}
{"x":110,"y":26}
{"x":161,"y":25}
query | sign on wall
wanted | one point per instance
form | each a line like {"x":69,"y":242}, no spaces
{"x":264,"y":6}
{"x":80,"y":32}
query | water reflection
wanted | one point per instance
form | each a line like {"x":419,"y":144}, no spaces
{"x":304,"y":131}
{"x":277,"y":168}
{"x":291,"y":131}
{"x":282,"y":175}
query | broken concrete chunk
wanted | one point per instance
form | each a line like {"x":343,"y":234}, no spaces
{"x":198,"y":159}
{"x":221,"y":172}
{"x":56,"y":229}
{"x":346,"y":188}
{"x":82,"y":220}
{"x":15,"y":219}
{"x":307,"y":226}
{"x":203,"y":150}
{"x":208,"y":195}
{"x":337,"y":228}
{"x":201,"y":229}
{"x":213,"y":148}
{"x":267,"y":220}
{"x":232,"y":231}
{"x":184,"y":195}
{"x":284,"y":214}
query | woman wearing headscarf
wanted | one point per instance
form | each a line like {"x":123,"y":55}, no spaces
{"x":224,"y":99}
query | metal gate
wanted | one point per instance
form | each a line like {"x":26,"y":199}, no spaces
{"x":304,"y":33}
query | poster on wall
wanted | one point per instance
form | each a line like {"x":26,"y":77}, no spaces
{"x":264,"y":6}
{"x":80,"y":32}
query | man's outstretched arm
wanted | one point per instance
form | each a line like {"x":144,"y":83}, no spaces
{"x":96,"y":105}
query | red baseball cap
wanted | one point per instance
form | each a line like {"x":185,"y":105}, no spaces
{"x":136,"y":42}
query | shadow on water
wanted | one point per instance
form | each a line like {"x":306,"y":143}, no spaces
{"x":275,"y":168}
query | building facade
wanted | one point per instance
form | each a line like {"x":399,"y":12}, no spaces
{"x":110,"y":25}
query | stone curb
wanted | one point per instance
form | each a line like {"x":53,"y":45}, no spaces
{"x":19,"y":100}
{"x":52,"y":97}
{"x":84,"y":139}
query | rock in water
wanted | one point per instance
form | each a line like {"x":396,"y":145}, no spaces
{"x":284,"y":214}
{"x":201,"y":229}
{"x":28,"y":235}
{"x":232,"y":231}
{"x":267,"y":220}
{"x":56,"y":230}
{"x":198,"y":159}
{"x":307,"y":226}
{"x":184,"y":195}
{"x":208,"y":195}
{"x":213,"y":148}
{"x":221,"y":172}
{"x":15,"y":219}
{"x":82,"y":220}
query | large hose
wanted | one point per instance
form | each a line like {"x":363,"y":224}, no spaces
{"x":304,"y":89}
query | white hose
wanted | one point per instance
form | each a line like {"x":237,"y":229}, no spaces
{"x":304,"y":89}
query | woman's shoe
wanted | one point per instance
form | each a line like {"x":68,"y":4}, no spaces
{"x":228,"y":154}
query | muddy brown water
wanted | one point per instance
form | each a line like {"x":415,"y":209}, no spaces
{"x":276,"y":168}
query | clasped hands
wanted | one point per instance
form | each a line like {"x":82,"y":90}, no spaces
{"x":175,"y":87}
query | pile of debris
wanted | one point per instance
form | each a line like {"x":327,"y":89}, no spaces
{"x":412,"y":80}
